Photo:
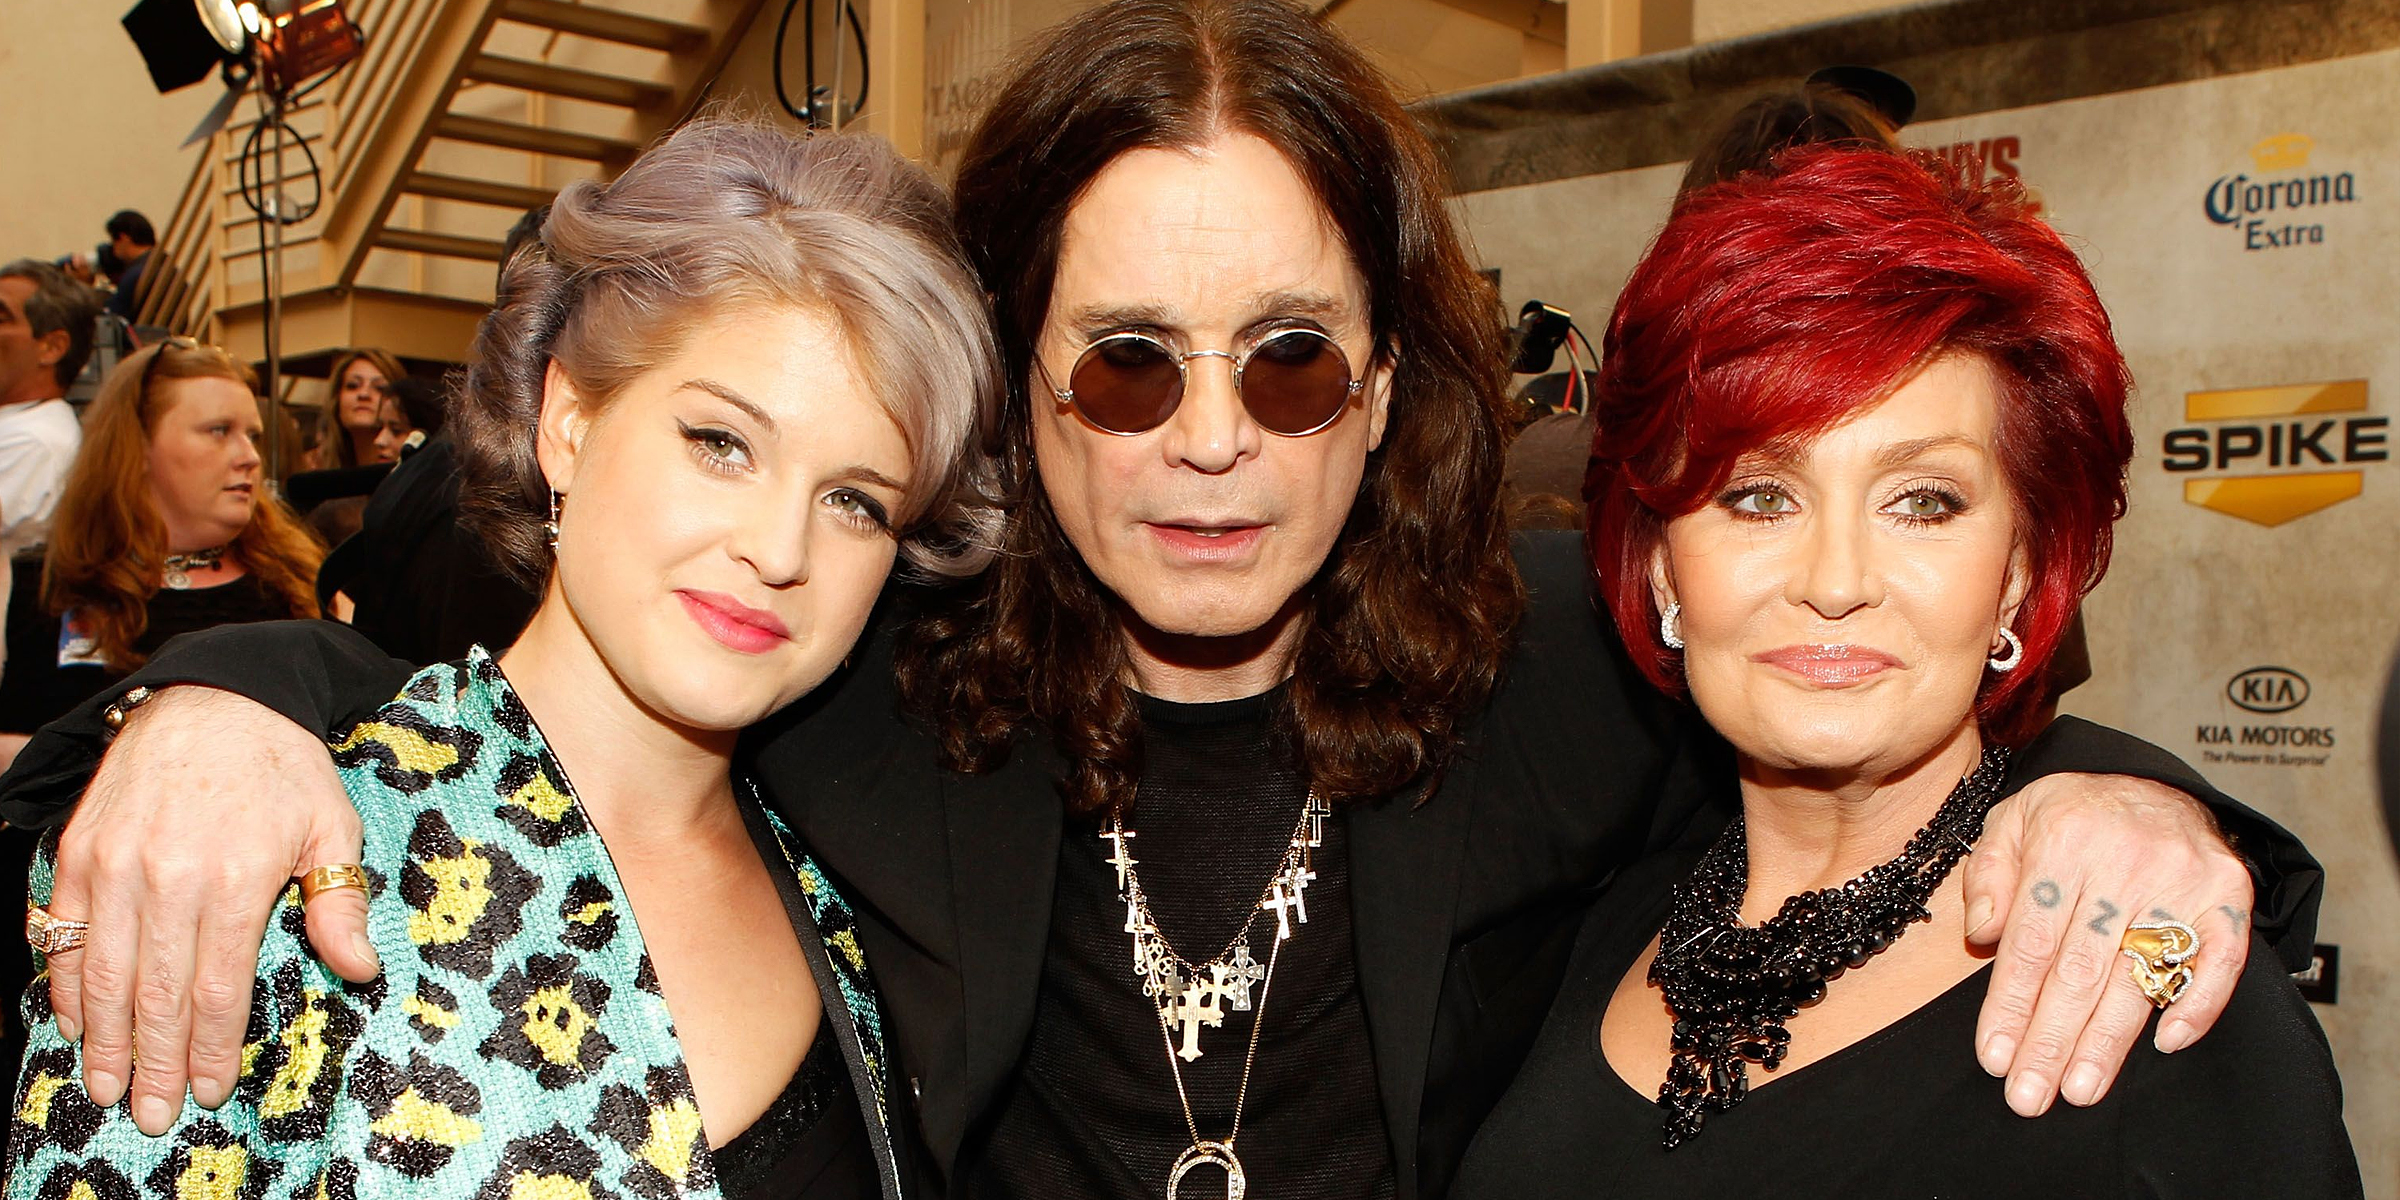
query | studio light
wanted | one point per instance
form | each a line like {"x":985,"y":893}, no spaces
{"x":182,"y":41}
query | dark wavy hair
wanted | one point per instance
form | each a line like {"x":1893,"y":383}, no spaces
{"x":1407,"y":623}
{"x":1775,"y":306}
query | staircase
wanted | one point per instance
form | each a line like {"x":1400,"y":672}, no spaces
{"x":461,"y":115}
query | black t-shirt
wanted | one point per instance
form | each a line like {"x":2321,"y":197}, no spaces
{"x":2253,"y":1109}
{"x":1094,"y":1110}
{"x":43,"y":680}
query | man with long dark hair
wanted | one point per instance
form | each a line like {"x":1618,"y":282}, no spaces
{"x":1338,"y":772}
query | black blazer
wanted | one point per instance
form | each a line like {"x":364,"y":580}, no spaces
{"x":1465,"y":900}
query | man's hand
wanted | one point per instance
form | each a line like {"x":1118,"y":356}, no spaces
{"x":2063,"y":867}
{"x":202,"y":811}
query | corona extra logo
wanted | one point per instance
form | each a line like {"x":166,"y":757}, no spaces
{"x":2267,"y":449}
{"x":2281,"y":205}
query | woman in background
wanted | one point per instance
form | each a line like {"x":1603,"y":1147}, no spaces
{"x":161,"y":529}
{"x":354,"y":395}
{"x":1862,"y":442}
{"x":412,"y":408}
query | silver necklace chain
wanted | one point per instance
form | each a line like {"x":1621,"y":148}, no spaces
{"x":1193,"y":995}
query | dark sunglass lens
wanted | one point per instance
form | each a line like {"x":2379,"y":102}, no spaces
{"x":1126,"y":384}
{"x":1295,"y":383}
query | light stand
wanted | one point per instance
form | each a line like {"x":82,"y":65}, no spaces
{"x":279,"y":45}
{"x":270,"y":278}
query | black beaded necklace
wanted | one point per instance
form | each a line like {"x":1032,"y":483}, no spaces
{"x":1732,"y":987}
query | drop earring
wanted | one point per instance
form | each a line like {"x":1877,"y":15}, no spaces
{"x":550,"y":527}
{"x":2016,"y":652}
{"x":1670,"y":625}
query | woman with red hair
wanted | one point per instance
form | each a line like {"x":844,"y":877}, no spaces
{"x":161,"y":530}
{"x":1862,"y":440}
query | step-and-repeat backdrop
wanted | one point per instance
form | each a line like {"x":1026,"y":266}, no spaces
{"x":2245,"y":233}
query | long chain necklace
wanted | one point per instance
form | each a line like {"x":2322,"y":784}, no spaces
{"x":180,"y":566}
{"x":1732,"y":987}
{"x":1189,"y":996}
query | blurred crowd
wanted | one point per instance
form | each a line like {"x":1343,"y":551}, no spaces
{"x":137,"y":503}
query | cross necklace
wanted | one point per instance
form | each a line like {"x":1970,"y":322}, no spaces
{"x":1190,"y":996}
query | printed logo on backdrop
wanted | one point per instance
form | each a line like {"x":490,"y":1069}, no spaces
{"x":2281,"y":200}
{"x":2266,"y":735}
{"x":2269,"y":455}
{"x":1978,"y":162}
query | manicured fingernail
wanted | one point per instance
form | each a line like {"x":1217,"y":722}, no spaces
{"x":2174,"y":1036}
{"x":1979,"y":914}
{"x":2028,"y":1095}
{"x":210,"y":1093}
{"x":365,"y":950}
{"x":150,"y":1112}
{"x":106,"y":1089}
{"x":68,"y":1029}
{"x":1999,"y":1050}
{"x":2083,"y":1085}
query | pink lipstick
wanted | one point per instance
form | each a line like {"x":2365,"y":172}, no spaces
{"x":735,"y":625}
{"x":1831,"y":666}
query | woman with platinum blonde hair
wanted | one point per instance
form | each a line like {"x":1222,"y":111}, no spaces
{"x":712,"y":408}
{"x":1862,"y":440}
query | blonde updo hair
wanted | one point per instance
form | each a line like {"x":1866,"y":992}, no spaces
{"x":720,"y":215}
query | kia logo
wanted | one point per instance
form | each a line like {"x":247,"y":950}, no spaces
{"x":2268,"y":690}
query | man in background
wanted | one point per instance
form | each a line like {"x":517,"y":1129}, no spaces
{"x":46,"y":322}
{"x":130,"y":241}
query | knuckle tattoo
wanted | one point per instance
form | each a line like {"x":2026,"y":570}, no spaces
{"x":2045,"y":893}
{"x":2102,"y":913}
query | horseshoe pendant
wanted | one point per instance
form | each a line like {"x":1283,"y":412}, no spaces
{"x":1218,"y":1154}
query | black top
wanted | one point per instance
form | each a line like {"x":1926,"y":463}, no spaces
{"x":811,"y":1142}
{"x":37,"y":687}
{"x":424,"y":589}
{"x":1094,"y":1110}
{"x":2253,"y":1109}
{"x":305,"y":490}
{"x":1464,"y":903}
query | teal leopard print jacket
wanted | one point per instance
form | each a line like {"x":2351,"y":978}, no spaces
{"x":516,"y":1044}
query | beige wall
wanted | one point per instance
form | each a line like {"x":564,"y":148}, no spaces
{"x":86,"y":133}
{"x":1425,"y":45}
{"x":2196,"y":596}
{"x":1716,"y":20}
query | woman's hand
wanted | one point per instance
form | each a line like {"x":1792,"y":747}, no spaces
{"x":203,"y":810}
{"x":2063,"y":867}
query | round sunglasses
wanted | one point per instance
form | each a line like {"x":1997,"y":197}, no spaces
{"x":1294,"y":383}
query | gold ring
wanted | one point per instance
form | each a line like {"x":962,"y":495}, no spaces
{"x":331,"y":877}
{"x":2162,"y":954}
{"x":53,"y":935}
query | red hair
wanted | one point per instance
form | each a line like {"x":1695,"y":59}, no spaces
{"x":107,"y":540}
{"x":1772,"y":308}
